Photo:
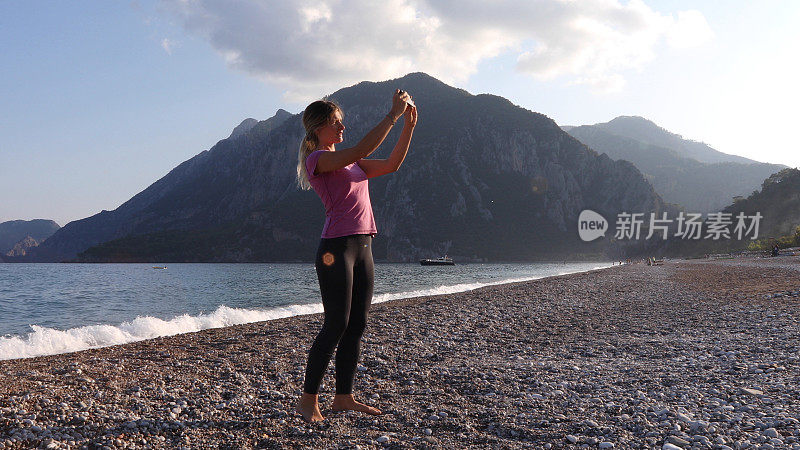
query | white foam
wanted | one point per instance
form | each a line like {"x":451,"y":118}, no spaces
{"x":49,"y":341}
{"x":452,"y":289}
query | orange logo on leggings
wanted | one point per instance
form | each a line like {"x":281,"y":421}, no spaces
{"x":327,"y":259}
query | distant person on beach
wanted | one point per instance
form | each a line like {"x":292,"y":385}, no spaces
{"x":344,"y":257}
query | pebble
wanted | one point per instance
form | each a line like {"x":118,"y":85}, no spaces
{"x":652,"y":374}
{"x":678,"y":441}
{"x":750,"y":391}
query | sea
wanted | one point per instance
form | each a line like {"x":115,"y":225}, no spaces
{"x":48,"y":309}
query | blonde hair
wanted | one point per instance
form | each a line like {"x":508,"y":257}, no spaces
{"x":315,"y":115}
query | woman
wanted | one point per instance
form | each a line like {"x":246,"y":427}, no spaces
{"x":344,"y":257}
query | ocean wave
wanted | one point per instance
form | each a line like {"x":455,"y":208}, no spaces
{"x":49,"y":341}
{"x":452,"y":289}
{"x":43,"y":341}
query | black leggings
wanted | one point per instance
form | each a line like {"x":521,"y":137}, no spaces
{"x":346,"y":276}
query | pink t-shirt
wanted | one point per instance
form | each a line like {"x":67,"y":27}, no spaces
{"x":345,"y":194}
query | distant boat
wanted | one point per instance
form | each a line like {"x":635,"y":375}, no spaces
{"x":441,"y":261}
{"x":159,"y":267}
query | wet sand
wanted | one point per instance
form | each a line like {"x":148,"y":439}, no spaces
{"x":699,"y":354}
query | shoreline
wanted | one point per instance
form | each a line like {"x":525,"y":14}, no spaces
{"x":141,"y":328}
{"x":635,"y":356}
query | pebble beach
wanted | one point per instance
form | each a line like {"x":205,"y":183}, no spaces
{"x":690,"y":354}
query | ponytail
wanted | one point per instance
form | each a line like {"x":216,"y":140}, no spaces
{"x":307,"y":146}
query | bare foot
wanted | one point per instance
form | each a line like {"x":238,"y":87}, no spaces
{"x":308,"y":407}
{"x":346,"y":402}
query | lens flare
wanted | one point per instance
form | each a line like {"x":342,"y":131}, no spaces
{"x":328,"y":259}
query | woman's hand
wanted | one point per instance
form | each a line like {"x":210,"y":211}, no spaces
{"x":399,"y":103}
{"x":411,"y":116}
{"x":377,"y":167}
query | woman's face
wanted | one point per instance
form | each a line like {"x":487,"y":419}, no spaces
{"x":332,"y":132}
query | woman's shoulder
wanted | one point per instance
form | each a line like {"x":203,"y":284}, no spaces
{"x":316,"y":153}
{"x":311,"y":162}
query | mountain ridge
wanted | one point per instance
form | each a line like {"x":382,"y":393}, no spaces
{"x":647,"y":131}
{"x":678,"y":178}
{"x":13,"y":232}
{"x":777,"y":203}
{"x":484,"y":180}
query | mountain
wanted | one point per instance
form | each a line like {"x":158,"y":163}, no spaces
{"x":191,"y":196}
{"x":13,"y":231}
{"x":484,"y":180}
{"x":249,"y":123}
{"x":643,"y":130}
{"x":22,"y":247}
{"x":778,"y":204}
{"x":664,"y":159}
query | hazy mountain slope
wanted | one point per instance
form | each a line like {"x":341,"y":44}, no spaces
{"x":248,"y":124}
{"x":22,"y":247}
{"x":697,"y":186}
{"x":643,"y":130}
{"x":778,"y":201}
{"x":13,"y":231}
{"x":204,"y":191}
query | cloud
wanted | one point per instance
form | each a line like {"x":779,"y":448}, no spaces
{"x":167,"y":45}
{"x":690,"y":30}
{"x":313,"y":47}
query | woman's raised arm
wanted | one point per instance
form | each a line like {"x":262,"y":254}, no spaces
{"x":377,"y":167}
{"x":330,"y":161}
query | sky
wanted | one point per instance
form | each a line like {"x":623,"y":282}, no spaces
{"x":100,"y":99}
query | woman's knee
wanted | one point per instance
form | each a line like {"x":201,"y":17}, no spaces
{"x":356,"y":326}
{"x":334,"y":329}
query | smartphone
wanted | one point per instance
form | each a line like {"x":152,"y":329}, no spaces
{"x":409,"y":102}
